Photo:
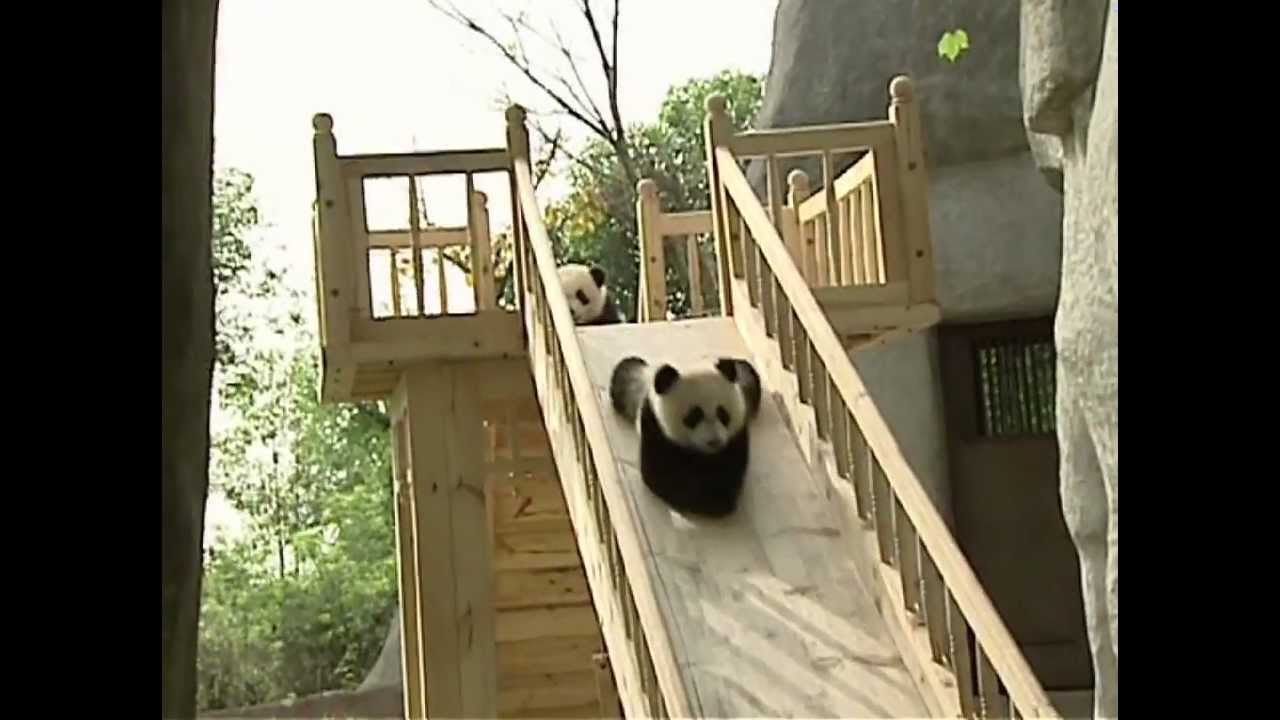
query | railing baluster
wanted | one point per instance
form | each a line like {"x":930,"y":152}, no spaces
{"x":766,"y":297}
{"x":821,"y":408}
{"x":962,"y":658}
{"x":840,"y":432}
{"x":993,"y":705}
{"x":882,"y":504}
{"x":393,"y":255}
{"x":419,"y":282}
{"x":693,"y":257}
{"x":834,"y":240}
{"x":862,"y":460}
{"x":786,"y":343}
{"x":909,"y":557}
{"x":823,"y":252}
{"x":935,"y":614}
{"x":852,"y":212}
{"x":873,"y":248}
{"x":804,"y":359}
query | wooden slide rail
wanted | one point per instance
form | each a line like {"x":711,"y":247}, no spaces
{"x":946,"y":625}
{"x":640,"y":649}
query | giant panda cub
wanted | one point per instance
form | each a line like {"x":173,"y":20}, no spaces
{"x":693,"y":426}
{"x":588,"y":295}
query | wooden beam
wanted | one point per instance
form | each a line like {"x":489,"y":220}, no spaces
{"x":430,"y":163}
{"x":455,"y":602}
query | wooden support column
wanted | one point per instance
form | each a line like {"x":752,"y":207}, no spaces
{"x":440,"y":408}
{"x":407,"y":568}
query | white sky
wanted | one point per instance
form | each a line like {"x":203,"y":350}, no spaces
{"x":398,"y":76}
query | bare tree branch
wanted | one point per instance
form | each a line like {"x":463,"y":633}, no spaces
{"x":610,"y":70}
{"x":573,"y":65}
{"x":470,"y":23}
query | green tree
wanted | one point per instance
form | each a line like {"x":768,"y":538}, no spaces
{"x":597,"y":221}
{"x":299,"y":603}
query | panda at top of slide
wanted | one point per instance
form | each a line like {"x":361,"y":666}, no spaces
{"x":588,"y":295}
{"x":693,"y":424}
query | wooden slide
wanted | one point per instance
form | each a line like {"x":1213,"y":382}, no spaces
{"x":767,"y":610}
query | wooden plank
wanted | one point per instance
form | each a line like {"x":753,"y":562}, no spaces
{"x":541,"y":623}
{"x":427,"y":238}
{"x":690,"y":222}
{"x":811,"y":140}
{"x":540,"y":587}
{"x":542,"y":550}
{"x":523,"y":693}
{"x":546,"y":655}
{"x":429,"y":163}
{"x":471,"y":546}
{"x":408,"y":575}
{"x":427,"y":401}
{"x":402,"y":342}
{"x":527,"y":497}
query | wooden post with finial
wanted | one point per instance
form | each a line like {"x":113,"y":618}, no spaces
{"x":717,"y":129}
{"x":799,"y":242}
{"x":913,"y":188}
{"x":653,"y":266}
{"x":334,"y":295}
{"x":518,"y":149}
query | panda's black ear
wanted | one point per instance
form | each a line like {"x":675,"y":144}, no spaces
{"x":665,"y":379}
{"x":728,"y":367}
{"x":598,"y":275}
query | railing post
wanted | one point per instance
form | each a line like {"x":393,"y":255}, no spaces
{"x":481,"y":251}
{"x":653,"y":265}
{"x":792,"y":229}
{"x":913,"y":184}
{"x":334,"y":295}
{"x":717,"y":129}
{"x":517,"y":148}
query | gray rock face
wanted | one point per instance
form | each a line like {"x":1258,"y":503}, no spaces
{"x":832,"y":62}
{"x":187,"y":333}
{"x":1071,"y":91}
{"x":997,"y":240}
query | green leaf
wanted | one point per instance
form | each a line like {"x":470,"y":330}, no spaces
{"x":953,"y":44}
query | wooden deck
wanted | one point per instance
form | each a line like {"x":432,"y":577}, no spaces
{"x":766,"y":609}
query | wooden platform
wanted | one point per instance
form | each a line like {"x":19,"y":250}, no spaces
{"x":765,"y":608}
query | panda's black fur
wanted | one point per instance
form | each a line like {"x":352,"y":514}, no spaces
{"x":587,"y":293}
{"x":697,"y":463}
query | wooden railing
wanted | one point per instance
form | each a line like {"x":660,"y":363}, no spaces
{"x":345,"y":245}
{"x":688,"y":231}
{"x":623,"y":591}
{"x":947,"y":628}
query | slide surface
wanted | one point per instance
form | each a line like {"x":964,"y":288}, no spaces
{"x":765,"y":608}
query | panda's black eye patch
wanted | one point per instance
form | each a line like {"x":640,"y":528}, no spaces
{"x":694,"y":417}
{"x":722,"y":415}
{"x":582,"y":298}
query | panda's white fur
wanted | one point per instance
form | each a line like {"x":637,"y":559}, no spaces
{"x":693,"y":423}
{"x":587,"y":294}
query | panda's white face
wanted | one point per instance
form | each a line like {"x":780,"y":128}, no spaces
{"x":701,"y":409}
{"x":584,"y":290}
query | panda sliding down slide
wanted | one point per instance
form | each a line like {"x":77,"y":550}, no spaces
{"x":694,"y":444}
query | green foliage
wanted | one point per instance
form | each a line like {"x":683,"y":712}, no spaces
{"x":299,"y":603}
{"x":596,"y":223}
{"x":953,"y":44}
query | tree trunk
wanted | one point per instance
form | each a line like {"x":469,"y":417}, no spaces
{"x":187,"y":50}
